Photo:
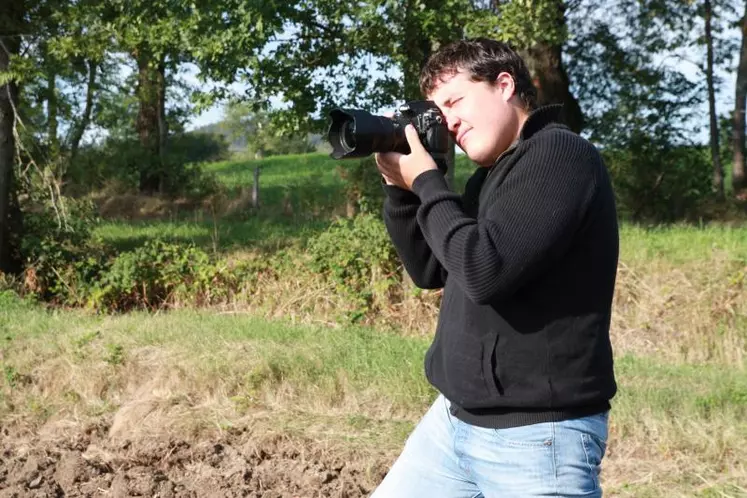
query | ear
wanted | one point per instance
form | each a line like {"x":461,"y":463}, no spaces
{"x":505,"y":83}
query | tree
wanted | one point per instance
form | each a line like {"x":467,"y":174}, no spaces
{"x":718,"y":170}
{"x":539,"y":31}
{"x":11,"y":29}
{"x":739,"y":182}
{"x":255,"y":130}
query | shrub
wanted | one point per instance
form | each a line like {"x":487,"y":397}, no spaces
{"x":159,"y":274}
{"x":358,"y":257}
{"x":123,"y":161}
{"x":59,"y":252}
{"x":363,"y":190}
{"x":659,"y":183}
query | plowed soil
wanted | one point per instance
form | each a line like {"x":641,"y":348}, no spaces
{"x":87,"y":462}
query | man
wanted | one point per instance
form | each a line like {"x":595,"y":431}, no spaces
{"x":527,"y":258}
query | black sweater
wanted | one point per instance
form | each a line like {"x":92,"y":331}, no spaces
{"x":527,"y":258}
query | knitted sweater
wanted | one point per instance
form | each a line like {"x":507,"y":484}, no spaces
{"x":527,"y":257}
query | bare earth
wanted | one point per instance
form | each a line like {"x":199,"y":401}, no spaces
{"x":87,"y":463}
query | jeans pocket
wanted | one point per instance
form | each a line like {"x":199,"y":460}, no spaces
{"x":594,"y":449}
{"x":527,"y":436}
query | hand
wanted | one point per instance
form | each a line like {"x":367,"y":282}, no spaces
{"x":402,"y":169}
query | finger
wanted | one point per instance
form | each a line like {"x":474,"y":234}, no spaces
{"x":388,"y":160}
{"x":413,"y":139}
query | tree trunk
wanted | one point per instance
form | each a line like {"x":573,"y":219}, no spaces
{"x":545,"y":63}
{"x":718,"y":170}
{"x":11,"y":23}
{"x":163,"y":130}
{"x":52,"y":123}
{"x":739,"y":182}
{"x":147,"y":124}
{"x":85,"y":119}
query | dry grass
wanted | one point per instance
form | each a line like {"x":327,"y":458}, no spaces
{"x":677,"y":429}
{"x":679,"y":422}
{"x":689,"y":312}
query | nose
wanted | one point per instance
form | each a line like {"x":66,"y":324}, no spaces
{"x":453,"y":122}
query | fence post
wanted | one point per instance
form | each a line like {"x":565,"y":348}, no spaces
{"x":255,"y":189}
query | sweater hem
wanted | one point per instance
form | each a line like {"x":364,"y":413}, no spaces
{"x":504,"y":418}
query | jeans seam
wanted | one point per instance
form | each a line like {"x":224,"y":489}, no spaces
{"x":448,"y":412}
{"x":555,"y":460}
{"x":584,"y":444}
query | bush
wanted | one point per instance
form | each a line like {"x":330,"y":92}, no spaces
{"x":659,"y":183}
{"x":358,"y":257}
{"x":60,"y":255}
{"x":159,"y":274}
{"x":123,"y":161}
{"x":363,"y":190}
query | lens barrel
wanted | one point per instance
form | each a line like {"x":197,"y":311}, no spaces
{"x":357,"y":133}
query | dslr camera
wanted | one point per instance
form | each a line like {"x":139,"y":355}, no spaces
{"x":356,"y":133}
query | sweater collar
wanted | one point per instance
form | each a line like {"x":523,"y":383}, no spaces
{"x":536,"y":121}
{"x":539,"y":118}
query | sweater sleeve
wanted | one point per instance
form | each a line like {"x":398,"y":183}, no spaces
{"x":526,"y":225}
{"x":400,"y":217}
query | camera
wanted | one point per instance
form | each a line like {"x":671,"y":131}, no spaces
{"x":356,"y":133}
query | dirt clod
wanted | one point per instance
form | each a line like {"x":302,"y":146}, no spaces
{"x":89,"y":463}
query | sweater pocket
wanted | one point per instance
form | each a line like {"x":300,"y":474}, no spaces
{"x":490,"y":366}
{"x":464,"y":370}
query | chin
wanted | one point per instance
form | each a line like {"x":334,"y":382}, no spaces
{"x":480,"y":158}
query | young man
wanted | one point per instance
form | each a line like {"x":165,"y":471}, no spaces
{"x":527,"y":258}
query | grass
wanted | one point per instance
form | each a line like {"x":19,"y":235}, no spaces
{"x":679,"y":329}
{"x":682,"y":244}
{"x":299,"y":196}
{"x":676,"y":430}
{"x":264,"y":233}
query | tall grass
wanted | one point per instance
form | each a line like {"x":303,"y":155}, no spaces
{"x":676,"y":430}
{"x":279,"y":347}
{"x":681,"y":292}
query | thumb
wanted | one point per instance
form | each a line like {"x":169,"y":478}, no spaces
{"x":413,"y":139}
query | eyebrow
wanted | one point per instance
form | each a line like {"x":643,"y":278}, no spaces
{"x":451,"y":98}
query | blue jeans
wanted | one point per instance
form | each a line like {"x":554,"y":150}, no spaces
{"x":447,"y":458}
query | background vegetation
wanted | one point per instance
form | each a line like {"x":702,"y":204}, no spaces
{"x":217,"y":274}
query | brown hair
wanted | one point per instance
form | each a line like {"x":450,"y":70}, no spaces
{"x":484,"y":60}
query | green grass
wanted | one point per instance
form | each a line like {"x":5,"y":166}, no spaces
{"x":265,"y":233}
{"x":312,"y":185}
{"x":355,"y":384}
{"x":679,"y":244}
{"x":309,"y":183}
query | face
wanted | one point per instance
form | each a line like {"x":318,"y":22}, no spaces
{"x":483,"y":118}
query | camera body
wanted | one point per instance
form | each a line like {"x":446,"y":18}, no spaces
{"x":356,"y":133}
{"x":429,"y":122}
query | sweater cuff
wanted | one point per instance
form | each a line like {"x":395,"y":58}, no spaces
{"x":430,"y":183}
{"x":399,"y":195}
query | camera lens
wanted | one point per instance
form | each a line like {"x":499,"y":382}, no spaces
{"x":357,"y":133}
{"x":347,"y":135}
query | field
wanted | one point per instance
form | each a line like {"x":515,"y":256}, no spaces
{"x":274,"y":395}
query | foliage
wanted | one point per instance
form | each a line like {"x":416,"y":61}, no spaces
{"x":659,"y":182}
{"x":121,"y":161}
{"x":60,"y":252}
{"x":358,"y":257}
{"x":363,"y":188}
{"x":514,"y":23}
{"x":156,"y":275}
{"x":359,"y":54}
{"x":255,"y":130}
